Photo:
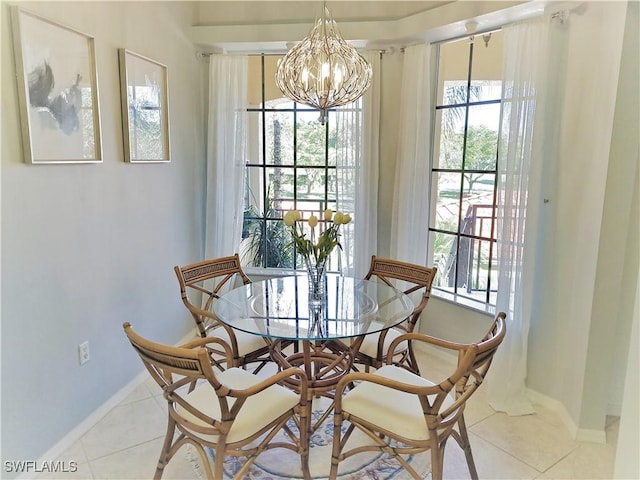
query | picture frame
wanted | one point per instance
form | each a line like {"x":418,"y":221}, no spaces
{"x":145,"y":108}
{"x":57,"y":91}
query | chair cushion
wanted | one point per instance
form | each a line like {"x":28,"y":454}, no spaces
{"x":247,"y":342}
{"x":369,"y":345}
{"x":388,"y":408}
{"x":257,"y":412}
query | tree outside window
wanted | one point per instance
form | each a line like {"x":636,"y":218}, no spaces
{"x":464,"y":169}
{"x":291,"y":165}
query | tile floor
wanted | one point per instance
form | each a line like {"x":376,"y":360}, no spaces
{"x":125,"y":444}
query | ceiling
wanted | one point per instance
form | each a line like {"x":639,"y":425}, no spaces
{"x":273,"y":26}
{"x":281,"y":12}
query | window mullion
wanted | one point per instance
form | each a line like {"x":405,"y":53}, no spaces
{"x":461,"y":217}
{"x":263,"y":113}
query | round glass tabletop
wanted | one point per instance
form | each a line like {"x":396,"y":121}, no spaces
{"x":278,"y":308}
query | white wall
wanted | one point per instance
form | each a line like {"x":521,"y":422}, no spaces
{"x":617,"y":263}
{"x":87,"y":247}
{"x":627,"y":463}
{"x":573,"y":341}
{"x":627,"y":126}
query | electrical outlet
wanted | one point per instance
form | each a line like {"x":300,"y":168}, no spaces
{"x":83,"y":352}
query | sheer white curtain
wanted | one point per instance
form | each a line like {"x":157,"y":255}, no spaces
{"x":357,"y":155}
{"x":226,"y":146}
{"x":412,"y":187}
{"x":519,"y":201}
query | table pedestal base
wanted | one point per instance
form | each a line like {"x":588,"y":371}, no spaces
{"x":324,"y":363}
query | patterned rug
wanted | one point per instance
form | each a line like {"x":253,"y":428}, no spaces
{"x":283,"y":464}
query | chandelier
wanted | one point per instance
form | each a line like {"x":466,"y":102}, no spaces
{"x":323,"y":71}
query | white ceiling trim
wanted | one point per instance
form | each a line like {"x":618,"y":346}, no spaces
{"x":447,"y":21}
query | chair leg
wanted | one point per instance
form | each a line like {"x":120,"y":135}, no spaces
{"x":437,"y":462}
{"x":218,"y":468}
{"x":335,"y":450}
{"x":467,"y":447}
{"x":304,"y":458}
{"x":165,"y":454}
{"x":305,"y":420}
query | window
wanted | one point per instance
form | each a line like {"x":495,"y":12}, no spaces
{"x":463,"y":175}
{"x":292,"y":164}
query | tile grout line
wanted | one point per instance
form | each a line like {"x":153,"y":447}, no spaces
{"x":135,"y":445}
{"x":507,"y":453}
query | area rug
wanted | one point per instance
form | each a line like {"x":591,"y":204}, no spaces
{"x":283,"y":464}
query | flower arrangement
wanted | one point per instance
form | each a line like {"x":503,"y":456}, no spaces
{"x":318,"y":252}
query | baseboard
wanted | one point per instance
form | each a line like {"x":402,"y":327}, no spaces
{"x":579,"y":434}
{"x":591,"y":435}
{"x":83,"y":427}
{"x":557,"y":406}
{"x":88,"y":423}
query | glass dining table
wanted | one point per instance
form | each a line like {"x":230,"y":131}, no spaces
{"x":326,"y":337}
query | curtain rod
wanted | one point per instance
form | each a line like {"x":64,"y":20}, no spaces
{"x":203,"y":55}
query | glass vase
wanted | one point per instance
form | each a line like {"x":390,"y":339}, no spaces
{"x":316,"y":272}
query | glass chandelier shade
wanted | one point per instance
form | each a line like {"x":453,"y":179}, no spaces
{"x":323,"y":70}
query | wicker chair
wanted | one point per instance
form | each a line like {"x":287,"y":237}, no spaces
{"x":206,"y":279}
{"x":233,"y":412}
{"x":403,"y":413}
{"x":409,"y":278}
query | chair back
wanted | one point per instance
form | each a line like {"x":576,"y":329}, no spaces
{"x":206,"y":279}
{"x":174,"y":368}
{"x":480,"y":358}
{"x":407,"y":277}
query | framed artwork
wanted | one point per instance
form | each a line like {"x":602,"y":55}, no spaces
{"x":145,"y":109}
{"x":58,"y":91}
